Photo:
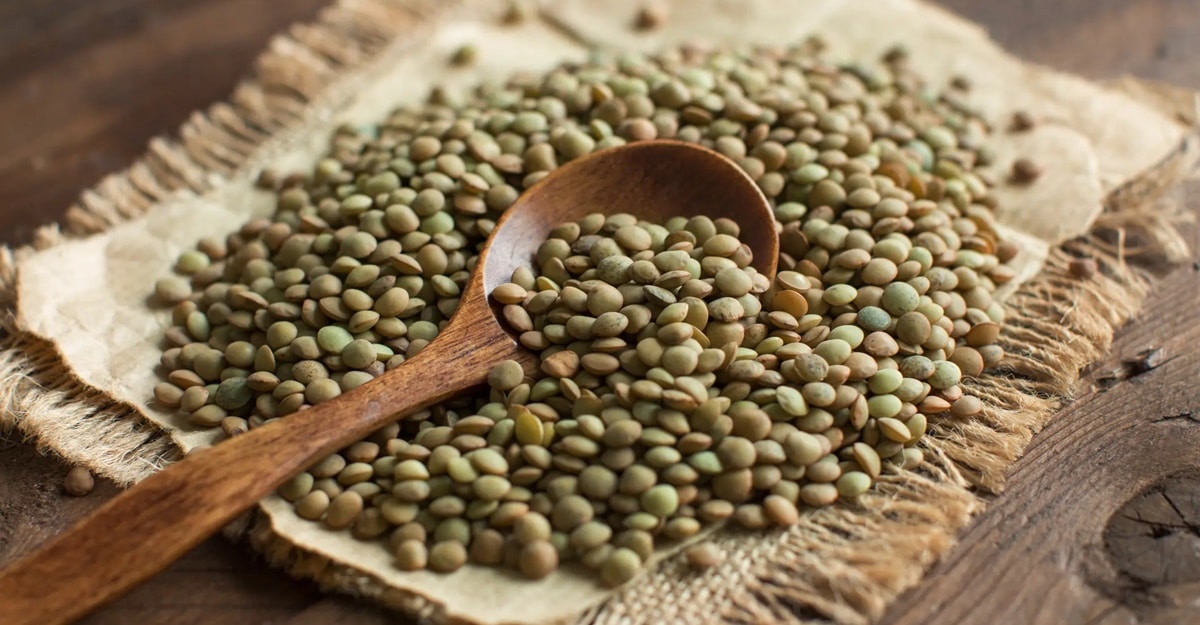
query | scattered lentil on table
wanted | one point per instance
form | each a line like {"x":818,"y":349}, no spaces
{"x":79,"y":482}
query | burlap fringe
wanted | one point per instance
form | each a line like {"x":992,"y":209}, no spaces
{"x":838,"y":565}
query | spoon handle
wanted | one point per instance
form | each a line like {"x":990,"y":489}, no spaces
{"x":146,"y":528}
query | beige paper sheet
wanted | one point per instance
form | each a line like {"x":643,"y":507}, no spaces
{"x":89,"y":296}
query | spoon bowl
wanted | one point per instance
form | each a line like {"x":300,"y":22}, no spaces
{"x":144,"y":529}
{"x":652,"y":180}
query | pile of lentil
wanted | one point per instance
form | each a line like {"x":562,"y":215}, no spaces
{"x":677,"y":386}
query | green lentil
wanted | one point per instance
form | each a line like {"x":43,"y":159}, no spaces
{"x":447,"y":556}
{"x":538,"y":559}
{"x":621,"y":566}
{"x":704,"y":555}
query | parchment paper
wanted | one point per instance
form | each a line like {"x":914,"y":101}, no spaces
{"x":90,"y":297}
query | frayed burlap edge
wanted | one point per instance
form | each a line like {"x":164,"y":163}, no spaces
{"x":843,"y":564}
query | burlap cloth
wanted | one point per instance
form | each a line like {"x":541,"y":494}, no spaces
{"x":79,"y":343}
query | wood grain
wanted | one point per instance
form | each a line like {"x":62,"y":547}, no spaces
{"x":85,"y":84}
{"x":74,"y":72}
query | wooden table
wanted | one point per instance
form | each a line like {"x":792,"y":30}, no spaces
{"x":85,"y":83}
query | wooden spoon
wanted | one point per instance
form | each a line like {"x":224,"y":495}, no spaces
{"x":145,"y":528}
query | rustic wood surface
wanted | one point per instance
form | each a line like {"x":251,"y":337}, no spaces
{"x":1101,"y":521}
